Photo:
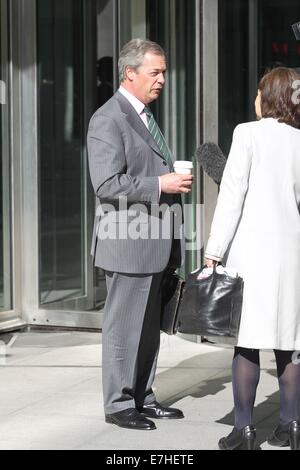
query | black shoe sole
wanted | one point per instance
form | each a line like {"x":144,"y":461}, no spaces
{"x":161,"y":417}
{"x":134,"y":428}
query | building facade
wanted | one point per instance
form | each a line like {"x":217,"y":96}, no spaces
{"x":58,"y":65}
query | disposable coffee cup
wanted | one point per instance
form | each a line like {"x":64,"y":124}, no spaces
{"x":182,"y":167}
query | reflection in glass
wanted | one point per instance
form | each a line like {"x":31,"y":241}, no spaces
{"x":60,"y":66}
{"x":233,"y":69}
{"x":254,"y":37}
{"x":69,"y":45}
{"x":277,"y":44}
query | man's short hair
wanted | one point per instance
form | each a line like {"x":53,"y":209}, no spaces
{"x":133,"y":53}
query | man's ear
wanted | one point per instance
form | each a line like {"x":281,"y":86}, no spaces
{"x":130,"y":73}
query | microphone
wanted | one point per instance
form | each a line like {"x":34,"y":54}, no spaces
{"x":212,"y":160}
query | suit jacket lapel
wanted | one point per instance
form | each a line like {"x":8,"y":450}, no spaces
{"x":136,"y":122}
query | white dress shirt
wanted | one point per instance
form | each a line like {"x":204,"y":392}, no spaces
{"x":136,"y":103}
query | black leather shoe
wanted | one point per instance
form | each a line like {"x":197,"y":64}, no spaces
{"x":157,"y":411}
{"x":239,"y":439}
{"x":130,"y":419}
{"x":284,"y":436}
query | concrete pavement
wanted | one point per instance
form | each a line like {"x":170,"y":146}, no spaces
{"x":50,"y":395}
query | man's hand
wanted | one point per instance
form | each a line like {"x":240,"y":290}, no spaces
{"x":174,"y":183}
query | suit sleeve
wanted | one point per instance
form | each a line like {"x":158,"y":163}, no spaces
{"x":232,"y":195}
{"x":108,"y":170}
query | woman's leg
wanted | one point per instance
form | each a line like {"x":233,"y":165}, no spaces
{"x":289,"y":385}
{"x":245,"y":378}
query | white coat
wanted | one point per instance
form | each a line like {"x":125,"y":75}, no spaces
{"x":256,"y":229}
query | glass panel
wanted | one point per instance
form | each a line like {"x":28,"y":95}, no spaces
{"x":185,"y":113}
{"x":172,"y":25}
{"x":277,"y":44}
{"x":5,"y":201}
{"x":254,"y":36}
{"x":75,"y":75}
{"x":105,"y":51}
{"x":104,"y":89}
{"x":233,"y":69}
{"x":61,"y":115}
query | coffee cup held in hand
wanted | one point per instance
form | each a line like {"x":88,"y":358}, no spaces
{"x":183,"y":167}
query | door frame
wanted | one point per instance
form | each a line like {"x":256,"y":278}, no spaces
{"x":12,"y":318}
{"x":210,"y":104}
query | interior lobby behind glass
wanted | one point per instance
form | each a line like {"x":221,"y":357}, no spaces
{"x":254,"y":36}
{"x":68,"y":96}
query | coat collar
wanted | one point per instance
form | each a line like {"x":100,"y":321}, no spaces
{"x":136,"y":122}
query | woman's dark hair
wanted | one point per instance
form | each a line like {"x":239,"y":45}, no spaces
{"x":280,"y":96}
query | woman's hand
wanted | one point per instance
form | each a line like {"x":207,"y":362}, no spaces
{"x":210,"y":263}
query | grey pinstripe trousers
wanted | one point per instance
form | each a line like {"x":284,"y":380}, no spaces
{"x":131,"y":337}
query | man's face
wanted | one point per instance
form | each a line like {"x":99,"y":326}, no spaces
{"x":148,"y":80}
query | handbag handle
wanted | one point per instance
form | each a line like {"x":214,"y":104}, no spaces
{"x":199,"y":270}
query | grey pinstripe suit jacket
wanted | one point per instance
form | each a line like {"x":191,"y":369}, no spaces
{"x":125,"y":163}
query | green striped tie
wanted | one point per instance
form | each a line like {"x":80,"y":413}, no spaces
{"x":159,"y":138}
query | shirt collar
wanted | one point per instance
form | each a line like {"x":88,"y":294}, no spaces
{"x":135,"y":102}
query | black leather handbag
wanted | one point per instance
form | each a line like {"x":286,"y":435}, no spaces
{"x":211,"y":306}
{"x":172,"y":288}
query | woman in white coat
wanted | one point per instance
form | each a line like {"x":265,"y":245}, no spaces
{"x":256,"y":229}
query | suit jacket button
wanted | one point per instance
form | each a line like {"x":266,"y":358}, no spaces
{"x":165,"y":163}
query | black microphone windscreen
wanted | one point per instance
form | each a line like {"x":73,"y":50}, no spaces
{"x":212,"y":160}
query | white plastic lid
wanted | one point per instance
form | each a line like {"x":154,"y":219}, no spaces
{"x":183,"y":164}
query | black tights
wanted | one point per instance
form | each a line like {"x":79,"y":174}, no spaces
{"x":245,"y":378}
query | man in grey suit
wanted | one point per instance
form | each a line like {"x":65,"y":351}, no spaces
{"x":131,"y":170}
